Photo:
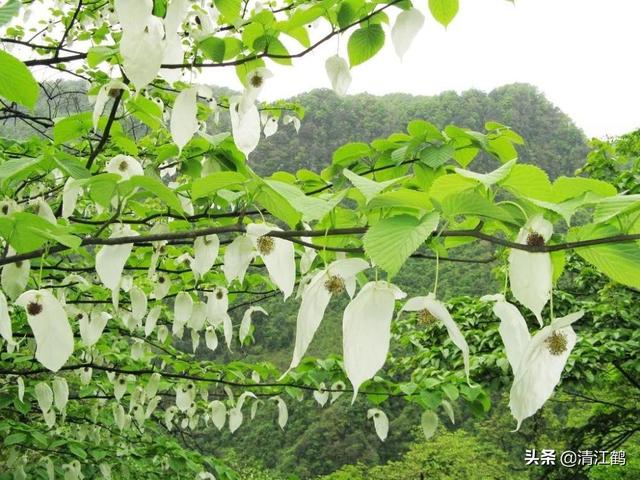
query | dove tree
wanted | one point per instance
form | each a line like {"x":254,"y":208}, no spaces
{"x":137,"y":228}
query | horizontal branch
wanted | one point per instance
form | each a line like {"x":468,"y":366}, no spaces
{"x":294,"y":235}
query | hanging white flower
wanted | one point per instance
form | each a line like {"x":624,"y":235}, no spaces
{"x":50,"y":326}
{"x":111,"y":259}
{"x":103,"y":97}
{"x":173,"y":53}
{"x":339,"y":74}
{"x":366,"y":331}
{"x":138,"y":303}
{"x":255,"y":83}
{"x":210,"y":338}
{"x":161,"y":287}
{"x":185,"y":396}
{"x":270,"y":126}
{"x":205,"y":254}
{"x":45,"y":211}
{"x":237,"y":257}
{"x":380,"y":422}
{"x":538,"y":361}
{"x":338,"y":277}
{"x":152,"y":320}
{"x":283,"y":412}
{"x":531,"y":274}
{"x":287,"y":119}
{"x":125,"y":166}
{"x":184,"y":120}
{"x":321,"y":395}
{"x":91,"y":327}
{"x":198,"y":316}
{"x":430,"y":309}
{"x":15,"y":276}
{"x":245,"y":325}
{"x":245,"y":125}
{"x":6,"y":331}
{"x":218,"y":413}
{"x":277,"y":254}
{"x":60,"y":393}
{"x":44,"y":396}
{"x":142,"y":43}
{"x":182,"y":308}
{"x":407,"y":25}
{"x":70,"y":194}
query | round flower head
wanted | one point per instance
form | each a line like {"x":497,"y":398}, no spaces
{"x":125,"y":166}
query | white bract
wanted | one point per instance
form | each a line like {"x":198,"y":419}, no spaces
{"x":428,"y":307}
{"x":245,"y":125}
{"x":245,"y":325}
{"x":15,"y":276}
{"x":60,"y":393}
{"x":538,"y":361}
{"x":44,"y":396}
{"x":125,"y":166}
{"x":50,"y":326}
{"x":531,"y":274}
{"x":339,"y":276}
{"x":380,"y":422}
{"x":6,"y":331}
{"x":366,"y":331}
{"x":407,"y":26}
{"x":92,"y":326}
{"x":103,"y":97}
{"x":283,"y":412}
{"x":339,"y":74}
{"x":277,"y":254}
{"x":111,"y":259}
{"x":184,"y":122}
{"x":205,"y":254}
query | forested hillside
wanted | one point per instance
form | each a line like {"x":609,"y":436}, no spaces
{"x":552,"y":140}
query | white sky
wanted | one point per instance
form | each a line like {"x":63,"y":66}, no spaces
{"x":582,"y":54}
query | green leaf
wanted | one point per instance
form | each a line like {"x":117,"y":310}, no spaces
{"x":488,"y":179}
{"x":347,"y":154}
{"x":203,"y":187}
{"x":619,"y":261}
{"x":610,"y":207}
{"x":277,"y":205}
{"x":390,"y":242}
{"x":213,"y":48}
{"x":71,"y":165}
{"x":443,"y":10}
{"x":97,"y":55}
{"x":9,"y":10}
{"x":15,"y":166}
{"x":429,"y":423}
{"x":15,"y":438}
{"x":369,"y":188}
{"x":364,"y":43}
{"x":472,"y":203}
{"x":146,"y":110}
{"x":157,"y":188}
{"x":528,"y":181}
{"x":446,"y":185}
{"x":565,"y":188}
{"x":312,"y":208}
{"x":16,"y":81}
{"x":401,"y":198}
{"x":230,"y":9}
{"x":72,"y":127}
{"x":434,"y":156}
